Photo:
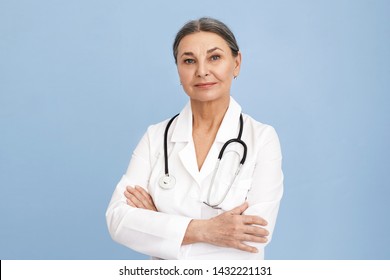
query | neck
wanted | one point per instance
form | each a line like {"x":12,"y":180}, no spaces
{"x":208,"y":115}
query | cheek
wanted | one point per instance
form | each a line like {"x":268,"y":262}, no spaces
{"x":224,"y":74}
{"x":224,"y":71}
{"x":184,"y":74}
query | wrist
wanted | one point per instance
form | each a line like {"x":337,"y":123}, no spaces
{"x":195,"y":232}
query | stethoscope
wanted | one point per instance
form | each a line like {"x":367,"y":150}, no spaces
{"x":168,"y":181}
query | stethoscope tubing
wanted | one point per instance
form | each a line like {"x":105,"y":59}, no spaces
{"x":166,"y":145}
{"x":168,"y":181}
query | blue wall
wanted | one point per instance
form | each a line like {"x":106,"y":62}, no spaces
{"x":80,"y":81}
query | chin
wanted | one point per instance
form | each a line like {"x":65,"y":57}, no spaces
{"x":207,"y":95}
{"x":207,"y":98}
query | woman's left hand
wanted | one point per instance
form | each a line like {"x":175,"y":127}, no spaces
{"x":139,"y":198}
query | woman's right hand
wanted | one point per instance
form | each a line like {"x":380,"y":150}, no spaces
{"x":139,"y":198}
{"x":229,"y":229}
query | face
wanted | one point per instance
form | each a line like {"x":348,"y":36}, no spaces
{"x":206,"y":66}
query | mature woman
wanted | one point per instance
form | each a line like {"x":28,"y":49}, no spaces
{"x":208,"y":183}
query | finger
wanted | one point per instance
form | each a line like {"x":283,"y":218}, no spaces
{"x":138,"y":195}
{"x":253,"y":238}
{"x":139,"y":192}
{"x":136,"y":199}
{"x":127,"y":194}
{"x":134,"y":192}
{"x":132,"y":198}
{"x":130,"y":195}
{"x":129,"y":202}
{"x":145,"y":194}
{"x":254,"y":220}
{"x":243,"y":247}
{"x":243,"y":237}
{"x":239,"y":209}
{"x":136,"y":202}
{"x":256,"y":231}
{"x":129,"y":191}
{"x":145,"y":197}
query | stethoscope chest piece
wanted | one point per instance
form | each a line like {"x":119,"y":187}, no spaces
{"x":167,"y":182}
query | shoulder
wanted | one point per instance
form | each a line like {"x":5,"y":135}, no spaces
{"x":157,"y":129}
{"x":262,"y":139}
{"x":258,"y":129}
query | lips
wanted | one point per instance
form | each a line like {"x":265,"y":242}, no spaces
{"x":205,"y":85}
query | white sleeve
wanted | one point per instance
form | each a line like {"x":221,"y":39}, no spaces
{"x":152,"y":233}
{"x":267,"y":185}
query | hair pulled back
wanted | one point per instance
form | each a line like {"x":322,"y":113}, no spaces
{"x":207,"y":25}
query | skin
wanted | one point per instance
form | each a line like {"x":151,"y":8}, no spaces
{"x":206,"y":69}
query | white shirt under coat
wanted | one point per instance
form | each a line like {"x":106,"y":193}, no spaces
{"x":160,"y":234}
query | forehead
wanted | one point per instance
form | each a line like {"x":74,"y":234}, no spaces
{"x":201,"y":41}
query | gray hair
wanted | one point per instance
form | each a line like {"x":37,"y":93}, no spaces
{"x":207,"y":25}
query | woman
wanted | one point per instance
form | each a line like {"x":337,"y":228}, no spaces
{"x":175,"y":204}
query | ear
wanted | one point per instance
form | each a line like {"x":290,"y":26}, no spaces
{"x":237,"y":66}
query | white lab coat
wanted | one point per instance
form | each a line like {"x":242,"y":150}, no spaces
{"x":160,"y":234}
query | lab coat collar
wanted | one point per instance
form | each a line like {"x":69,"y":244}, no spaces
{"x":230,"y":124}
{"x":182,"y":132}
{"x":229,"y":127}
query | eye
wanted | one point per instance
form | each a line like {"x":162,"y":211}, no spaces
{"x":215,"y":57}
{"x":189,"y":61}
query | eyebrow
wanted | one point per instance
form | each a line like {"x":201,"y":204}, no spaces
{"x":209,"y":51}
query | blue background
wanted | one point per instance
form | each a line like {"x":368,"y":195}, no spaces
{"x":80,"y":81}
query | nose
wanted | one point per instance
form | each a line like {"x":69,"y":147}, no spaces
{"x":202,"y":70}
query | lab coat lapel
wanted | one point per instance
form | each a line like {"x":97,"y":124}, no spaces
{"x":183,"y":133}
{"x":230,"y":124}
{"x":229,"y":129}
{"x":188,"y":159}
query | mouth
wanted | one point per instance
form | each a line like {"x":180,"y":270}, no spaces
{"x":205,"y":85}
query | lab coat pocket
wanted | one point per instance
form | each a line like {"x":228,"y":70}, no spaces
{"x":237,"y":194}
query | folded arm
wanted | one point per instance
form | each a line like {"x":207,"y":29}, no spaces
{"x":229,"y":229}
